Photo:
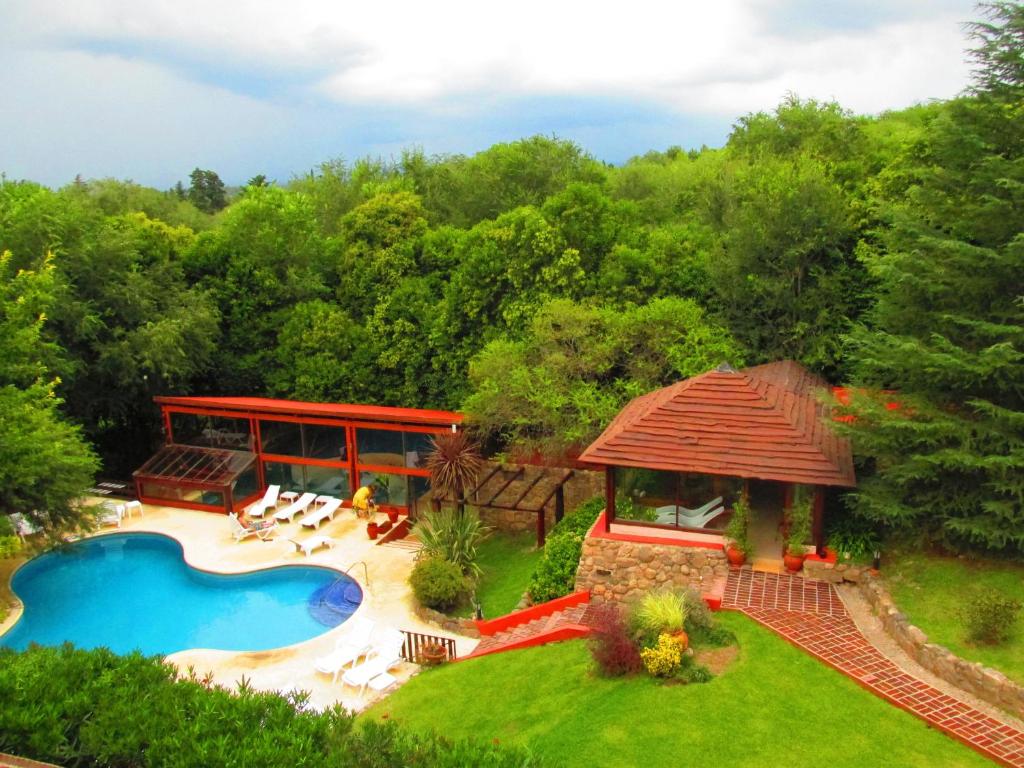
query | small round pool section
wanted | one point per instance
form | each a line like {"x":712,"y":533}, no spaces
{"x":134,"y":591}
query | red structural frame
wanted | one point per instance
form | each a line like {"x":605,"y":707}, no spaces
{"x":346,"y":416}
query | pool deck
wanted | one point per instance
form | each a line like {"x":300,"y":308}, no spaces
{"x":387,"y":597}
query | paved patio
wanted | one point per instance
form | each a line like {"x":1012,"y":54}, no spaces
{"x":387,"y":597}
{"x":810,"y":615}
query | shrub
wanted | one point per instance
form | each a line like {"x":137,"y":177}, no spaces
{"x":91,"y":707}
{"x":658,"y":613}
{"x":700,"y":622}
{"x":990,"y":619}
{"x":737,"y":531}
{"x":437,"y":583}
{"x":555,"y":574}
{"x":9,"y":546}
{"x":852,"y":537}
{"x":692,"y":672}
{"x":663,"y":660}
{"x":799,"y":526}
{"x":452,"y":536}
{"x":610,"y":644}
{"x":6,"y":526}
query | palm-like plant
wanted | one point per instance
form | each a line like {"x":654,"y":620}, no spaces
{"x":453,"y":537}
{"x":454,"y":464}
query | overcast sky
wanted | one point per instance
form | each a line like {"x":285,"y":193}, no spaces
{"x":149,"y":89}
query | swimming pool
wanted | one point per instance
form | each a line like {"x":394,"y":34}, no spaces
{"x":135,"y":591}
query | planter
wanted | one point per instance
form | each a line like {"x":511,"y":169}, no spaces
{"x":371,"y":530}
{"x":432,"y":655}
{"x":793,"y":563}
{"x":735,"y":556}
{"x":393,"y":516}
{"x":683,"y":639}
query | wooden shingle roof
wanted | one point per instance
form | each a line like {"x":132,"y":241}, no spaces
{"x":764,"y":422}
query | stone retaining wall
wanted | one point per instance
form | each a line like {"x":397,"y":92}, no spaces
{"x":985,"y":683}
{"x":834,"y":573}
{"x":621,"y":570}
{"x":448,"y":623}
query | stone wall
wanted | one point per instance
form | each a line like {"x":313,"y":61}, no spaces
{"x":622,"y":570}
{"x":459,"y":626}
{"x":985,"y":683}
{"x":834,"y":573}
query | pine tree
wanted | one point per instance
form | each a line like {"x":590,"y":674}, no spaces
{"x":947,"y":332}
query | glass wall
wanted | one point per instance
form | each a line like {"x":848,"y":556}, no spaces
{"x":392,"y":490}
{"x":328,"y":481}
{"x":391,"y":448}
{"x":281,"y":437}
{"x":209,"y":431}
{"x":419,"y":496}
{"x":246,"y":485}
{"x":324,"y":442}
{"x":288,"y":476}
{"x":676,"y":499}
{"x":174,"y":493}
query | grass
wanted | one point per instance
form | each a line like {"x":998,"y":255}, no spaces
{"x":774,"y":706}
{"x":931,"y":590}
{"x":507,"y":561}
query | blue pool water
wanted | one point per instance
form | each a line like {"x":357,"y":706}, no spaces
{"x":135,"y":591}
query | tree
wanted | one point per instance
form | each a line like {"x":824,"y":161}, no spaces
{"x":259,"y":180}
{"x":575,"y":367}
{"x":947,"y":331}
{"x":206,"y":191}
{"x":45,"y":465}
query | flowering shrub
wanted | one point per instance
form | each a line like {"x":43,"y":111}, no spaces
{"x":663,"y":660}
{"x":613,"y":649}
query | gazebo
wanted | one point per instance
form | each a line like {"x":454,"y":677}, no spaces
{"x":675,"y":459}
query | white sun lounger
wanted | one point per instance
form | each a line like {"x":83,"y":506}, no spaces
{"x":297,"y":507}
{"x":326,"y":512}
{"x":23,"y":526}
{"x":348,"y":648}
{"x":269,"y":500}
{"x":313,"y":543}
{"x":385,"y":656}
{"x":261,"y":529}
{"x":691,"y":518}
{"x":110,"y":514}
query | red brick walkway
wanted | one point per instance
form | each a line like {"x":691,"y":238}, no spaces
{"x":810,"y":615}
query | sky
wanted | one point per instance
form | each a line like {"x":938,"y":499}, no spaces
{"x":147,"y":90}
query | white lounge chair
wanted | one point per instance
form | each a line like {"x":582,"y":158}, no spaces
{"x":313,"y":543}
{"x":385,"y":656}
{"x":269,"y":500}
{"x":348,"y":648}
{"x":110,"y":514}
{"x":326,"y":512}
{"x":260,"y":530}
{"x":691,"y":518}
{"x":297,"y":507}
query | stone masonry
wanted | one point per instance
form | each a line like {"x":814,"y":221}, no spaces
{"x":622,"y":570}
{"x":583,"y":485}
{"x":982,"y":681}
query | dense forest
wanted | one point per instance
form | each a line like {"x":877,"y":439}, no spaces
{"x":538,"y":289}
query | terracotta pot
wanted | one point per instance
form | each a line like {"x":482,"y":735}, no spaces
{"x":793,"y":563}
{"x":683,"y":639}
{"x":393,"y":516}
{"x":432,"y":655}
{"x":371,"y":530}
{"x":735,"y":556}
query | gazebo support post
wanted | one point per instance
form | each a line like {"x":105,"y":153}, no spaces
{"x":541,"y":533}
{"x":609,"y":497}
{"x":559,"y":504}
{"x":818,"y":520}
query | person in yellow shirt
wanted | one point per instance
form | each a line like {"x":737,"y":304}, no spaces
{"x":362,"y":501}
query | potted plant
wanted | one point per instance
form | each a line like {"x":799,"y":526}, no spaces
{"x":432,"y":654}
{"x":799,"y":532}
{"x":371,"y":529}
{"x":738,"y":546}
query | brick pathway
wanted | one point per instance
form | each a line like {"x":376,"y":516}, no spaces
{"x":576,"y":615}
{"x":810,"y":615}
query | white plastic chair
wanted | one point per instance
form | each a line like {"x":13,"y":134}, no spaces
{"x":348,"y":648}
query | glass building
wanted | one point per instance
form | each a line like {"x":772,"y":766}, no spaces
{"x":221,"y":453}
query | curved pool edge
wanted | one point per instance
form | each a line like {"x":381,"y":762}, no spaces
{"x":16,"y":613}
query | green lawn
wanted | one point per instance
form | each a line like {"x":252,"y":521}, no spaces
{"x":931,"y":590}
{"x":774,"y":706}
{"x":507,"y":562}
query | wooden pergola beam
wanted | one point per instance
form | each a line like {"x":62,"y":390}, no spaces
{"x":496,"y":494}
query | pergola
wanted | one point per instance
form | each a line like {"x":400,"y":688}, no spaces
{"x":768,"y":422}
{"x":519,"y":488}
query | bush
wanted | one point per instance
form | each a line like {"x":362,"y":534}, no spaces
{"x":852,"y":537}
{"x":700,"y":623}
{"x":9,"y":546}
{"x":692,"y":672}
{"x":663,"y":660}
{"x":452,"y":536}
{"x":799,"y":526}
{"x":76,"y":707}
{"x":555,"y":574}
{"x":611,"y":646}
{"x":437,"y":583}
{"x":737,"y":530}
{"x":991,"y":618}
{"x":658,"y":613}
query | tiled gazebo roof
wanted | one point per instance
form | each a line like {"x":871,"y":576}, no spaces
{"x":764,"y":422}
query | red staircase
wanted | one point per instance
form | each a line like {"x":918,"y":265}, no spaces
{"x":561,"y":619}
